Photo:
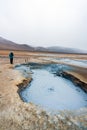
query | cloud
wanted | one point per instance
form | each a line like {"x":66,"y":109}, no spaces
{"x":45,"y":22}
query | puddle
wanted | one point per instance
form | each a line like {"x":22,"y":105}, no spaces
{"x":53,"y":92}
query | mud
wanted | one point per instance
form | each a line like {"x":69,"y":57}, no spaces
{"x":77,"y":82}
{"x":18,"y":115}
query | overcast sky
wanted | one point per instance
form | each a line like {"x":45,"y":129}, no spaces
{"x":45,"y":22}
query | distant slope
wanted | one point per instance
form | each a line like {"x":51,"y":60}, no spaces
{"x":9,"y":45}
{"x":61,"y":50}
{"x":66,"y":50}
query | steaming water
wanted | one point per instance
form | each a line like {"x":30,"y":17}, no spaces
{"x":53,"y":92}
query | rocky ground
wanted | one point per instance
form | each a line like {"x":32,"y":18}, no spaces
{"x":18,"y":115}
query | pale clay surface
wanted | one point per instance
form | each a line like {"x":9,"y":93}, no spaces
{"x":17,"y":115}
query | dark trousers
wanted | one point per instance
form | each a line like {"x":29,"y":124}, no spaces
{"x":11,"y":60}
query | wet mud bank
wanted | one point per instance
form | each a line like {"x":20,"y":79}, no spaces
{"x":76,"y":81}
{"x":58,"y":70}
{"x":21,"y":86}
{"x":56,"y":89}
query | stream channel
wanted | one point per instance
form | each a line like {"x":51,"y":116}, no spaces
{"x":50,"y":91}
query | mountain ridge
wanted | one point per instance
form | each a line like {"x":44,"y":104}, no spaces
{"x":9,"y":45}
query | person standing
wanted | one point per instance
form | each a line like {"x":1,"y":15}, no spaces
{"x":11,"y":56}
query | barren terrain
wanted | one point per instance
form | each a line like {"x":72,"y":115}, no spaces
{"x":18,"y":115}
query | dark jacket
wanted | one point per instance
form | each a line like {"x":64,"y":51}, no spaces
{"x":11,"y":55}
